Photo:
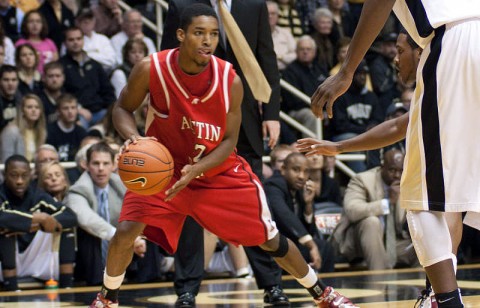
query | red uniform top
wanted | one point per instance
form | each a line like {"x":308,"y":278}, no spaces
{"x":189,"y":125}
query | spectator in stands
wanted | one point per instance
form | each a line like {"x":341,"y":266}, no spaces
{"x":45,"y":153}
{"x":132,"y":28}
{"x":323,"y":24}
{"x":64,"y":134}
{"x":133,"y":52}
{"x":36,"y":219}
{"x":278,"y":155}
{"x":7,"y":45}
{"x":35,"y":31}
{"x":30,"y":79}
{"x":406,"y":96}
{"x":11,"y":18}
{"x":289,"y":17}
{"x":306,"y":75}
{"x":32,"y":125}
{"x":108,"y":17}
{"x":373,"y":226}
{"x":59,"y":18}
{"x":284,"y":43}
{"x":356,"y":111}
{"x":53,"y":80}
{"x":306,"y":9}
{"x":96,"y":198}
{"x":342,"y":20}
{"x":54,"y":180}
{"x":9,"y":95}
{"x":383,"y":72}
{"x":85,"y":78}
{"x":327,"y":191}
{"x":290,"y":195}
{"x":106,"y":129}
{"x":96,"y":45}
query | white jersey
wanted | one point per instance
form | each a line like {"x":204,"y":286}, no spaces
{"x":421,"y":17}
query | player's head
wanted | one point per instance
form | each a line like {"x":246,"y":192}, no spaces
{"x":198,"y":35}
{"x":296,"y":170}
{"x":392,"y":166}
{"x":17,"y":174}
{"x":408,"y":56}
{"x":100,"y":163}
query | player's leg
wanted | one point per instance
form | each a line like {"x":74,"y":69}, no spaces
{"x":120,"y":254}
{"x":287,"y":255}
{"x":427,"y":230}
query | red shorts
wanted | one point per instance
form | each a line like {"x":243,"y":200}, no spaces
{"x":231,"y":205}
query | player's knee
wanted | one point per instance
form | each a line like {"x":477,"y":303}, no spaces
{"x":427,"y":230}
{"x":278,"y":251}
{"x":126,"y":233}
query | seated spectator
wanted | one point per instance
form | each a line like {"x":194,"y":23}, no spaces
{"x":383,"y":72}
{"x":355,"y":112}
{"x":109,"y":17}
{"x":342,"y":20}
{"x":54,"y":180}
{"x":375,"y":157}
{"x":34,"y":32}
{"x":133,"y":52}
{"x":59,"y":18}
{"x":26,"y":59}
{"x":290,"y":195}
{"x":289,"y":17}
{"x":11,"y":18}
{"x":96,"y":45}
{"x":45,"y":153}
{"x":96,"y":198}
{"x":305,"y":74}
{"x":323,"y":25}
{"x":90,"y":86}
{"x":32,"y":125}
{"x":7,"y":45}
{"x":81,"y":157}
{"x":373,"y":226}
{"x":305,"y":9}
{"x":37,"y":220}
{"x":53,"y":80}
{"x":131,"y":28}
{"x":64,"y":134}
{"x":284,"y":43}
{"x":327,"y":190}
{"x":278,"y":155}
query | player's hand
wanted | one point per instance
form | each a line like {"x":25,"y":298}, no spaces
{"x":133,"y":139}
{"x":316,"y":259}
{"x":140,"y":246}
{"x":188,"y":173}
{"x":271,"y":129}
{"x":48,"y":223}
{"x":311,"y":146}
{"x":328,"y":92}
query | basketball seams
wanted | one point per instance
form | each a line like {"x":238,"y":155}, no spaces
{"x":136,"y":171}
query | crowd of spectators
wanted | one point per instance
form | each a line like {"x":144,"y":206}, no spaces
{"x":64,"y":63}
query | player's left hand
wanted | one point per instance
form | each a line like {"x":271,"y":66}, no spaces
{"x":188,"y":173}
{"x":133,"y":139}
{"x":271,"y":129}
{"x":140,"y":246}
{"x":328,"y":92}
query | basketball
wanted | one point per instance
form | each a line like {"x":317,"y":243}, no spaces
{"x":146,"y":167}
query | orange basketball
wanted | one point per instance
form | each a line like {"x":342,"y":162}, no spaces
{"x":146,"y":167}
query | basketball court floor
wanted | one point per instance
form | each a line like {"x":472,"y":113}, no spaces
{"x":388,"y":289}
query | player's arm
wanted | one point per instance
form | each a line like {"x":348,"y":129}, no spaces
{"x":131,"y":98}
{"x":373,"y":17}
{"x":221,"y":152}
{"x":383,"y":134}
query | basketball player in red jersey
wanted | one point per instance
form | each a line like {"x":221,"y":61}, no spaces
{"x":194,"y":111}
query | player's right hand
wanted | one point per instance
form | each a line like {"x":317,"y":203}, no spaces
{"x":133,"y":139}
{"x":311,"y":146}
{"x":328,"y":92}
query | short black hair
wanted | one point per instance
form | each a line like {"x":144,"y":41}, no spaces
{"x":292,"y":156}
{"x":410,"y":40}
{"x":100,"y":147}
{"x":7,"y":69}
{"x":16,"y":158}
{"x":195,"y":10}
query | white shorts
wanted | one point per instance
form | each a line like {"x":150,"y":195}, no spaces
{"x":442,"y":163}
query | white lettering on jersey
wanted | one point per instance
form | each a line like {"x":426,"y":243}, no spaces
{"x":202,"y":130}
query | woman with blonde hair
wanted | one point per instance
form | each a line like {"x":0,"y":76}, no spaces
{"x":32,"y":124}
{"x":53,"y":179}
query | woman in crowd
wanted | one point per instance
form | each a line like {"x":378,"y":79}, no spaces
{"x":32,"y":125}
{"x":26,"y":59}
{"x":54,"y":180}
{"x":34,"y":30}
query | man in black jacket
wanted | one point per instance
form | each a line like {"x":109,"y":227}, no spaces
{"x":28,"y":217}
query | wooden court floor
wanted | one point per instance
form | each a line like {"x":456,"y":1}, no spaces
{"x":390,"y":289}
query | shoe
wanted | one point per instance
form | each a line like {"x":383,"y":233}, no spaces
{"x":332,"y":299}
{"x":275,"y":297}
{"x":185,"y":300}
{"x":101,"y":302}
{"x":426,"y":300}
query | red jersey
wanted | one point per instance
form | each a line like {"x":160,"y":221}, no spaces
{"x":189,"y":125}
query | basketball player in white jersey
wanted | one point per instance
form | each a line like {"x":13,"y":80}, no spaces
{"x":444,"y":113}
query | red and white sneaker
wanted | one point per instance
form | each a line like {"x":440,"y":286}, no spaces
{"x":101,"y":302}
{"x":426,"y":300}
{"x":332,"y":299}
